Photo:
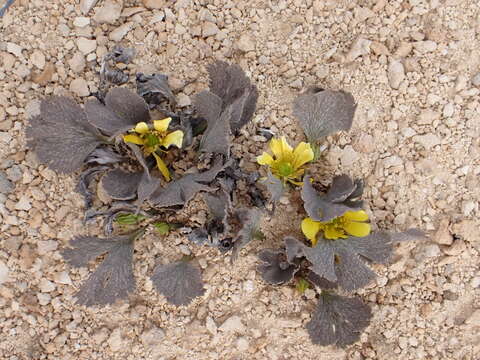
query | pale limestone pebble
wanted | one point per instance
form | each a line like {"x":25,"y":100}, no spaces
{"x":457,"y":248}
{"x":364,"y":143}
{"x":46,"y":246}
{"x":116,"y":341}
{"x":448,"y":110}
{"x":15,"y":49}
{"x":79,"y":87}
{"x":443,"y":235}
{"x":476,"y":79}
{"x":392,"y":161}
{"x":127,"y":12}
{"x":242,"y":344}
{"x":427,"y":117}
{"x":349,"y":156}
{"x":428,"y":141}
{"x":184,"y":249}
{"x":378,"y":48}
{"x":245,"y":43}
{"x":81,"y":21}
{"x":4,"y":273}
{"x":183,"y":100}
{"x":396,"y":74}
{"x":44,"y":298}
{"x":87,"y":5}
{"x":77,"y":62}
{"x":425,"y":47}
{"x":360,"y":47}
{"x":38,"y":59}
{"x":461,"y":83}
{"x":403,"y":49}
{"x":233,"y":324}
{"x":119,"y":33}
{"x":23,"y":203}
{"x":46,"y":286}
{"x":210,"y":29}
{"x":468,"y":207}
{"x":211,"y":326}
{"x":86,"y":46}
{"x":152,"y":337}
{"x":154,"y":4}
{"x":62,"y":277}
{"x":109,"y":12}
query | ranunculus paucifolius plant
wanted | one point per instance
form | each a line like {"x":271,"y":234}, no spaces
{"x":116,"y":138}
{"x":334,"y":256}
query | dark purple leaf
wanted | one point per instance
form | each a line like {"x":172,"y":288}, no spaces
{"x":274,"y":269}
{"x":155,"y":85}
{"x":121,"y":185}
{"x":249,"y":220}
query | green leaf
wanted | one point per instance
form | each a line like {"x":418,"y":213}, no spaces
{"x":302,"y":285}
{"x":163,"y":228}
{"x":258,"y":235}
{"x":129,"y":219}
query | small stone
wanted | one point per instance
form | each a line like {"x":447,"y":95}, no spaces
{"x":44,"y":298}
{"x":442,"y":235}
{"x":183,"y":100}
{"x":184,"y":249}
{"x":81,"y":21}
{"x":211,"y":326}
{"x":403,"y":49}
{"x":476,"y":80}
{"x":62,"y":277}
{"x":427,"y":117}
{"x":349,"y":156}
{"x":87,"y":5}
{"x":46,"y":286}
{"x":210,"y":29}
{"x":428,"y":141}
{"x":23,"y":204}
{"x":233,"y":324}
{"x":248,"y":286}
{"x":154,"y":4}
{"x":86,"y":46}
{"x":152,"y":336}
{"x":46,"y":246}
{"x":118,"y":34}
{"x":425,"y":46}
{"x":3,"y":273}
{"x":108,"y":13}
{"x":391,"y":161}
{"x":79,"y":87}
{"x":378,"y":48}
{"x":45,"y":76}
{"x":14,"y":49}
{"x":77,"y":62}
{"x":364,"y":143}
{"x":242,"y":344}
{"x":448,"y":110}
{"x":359,"y":47}
{"x":115,"y":340}
{"x":461,"y":83}
{"x":38,"y":59}
{"x":6,"y":186}
{"x":245,"y":43}
{"x":468,"y":207}
{"x":431,"y":250}
{"x":396,"y":74}
{"x":475,"y":283}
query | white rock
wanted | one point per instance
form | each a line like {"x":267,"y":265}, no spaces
{"x":248,"y":286}
{"x":79,"y":87}
{"x":108,"y":13}
{"x":468,"y":207}
{"x":23,"y":204}
{"x":211,"y":326}
{"x":43,"y":298}
{"x":393,"y":160}
{"x":359,"y":47}
{"x":183,"y":100}
{"x":46,"y":246}
{"x":396,"y":74}
{"x":14,"y":49}
{"x":120,"y":32}
{"x":349,"y":156}
{"x":427,"y":117}
{"x":233,"y":324}
{"x":448,"y":110}
{"x":209,"y":29}
{"x":3,"y":273}
{"x":425,"y":46}
{"x":46,"y":286}
{"x":77,"y":62}
{"x":38,"y":59}
{"x":62,"y":277}
{"x":86,"y":46}
{"x":242,"y":344}
{"x":245,"y":43}
{"x":428,"y":141}
{"x":87,"y":5}
{"x":152,"y":336}
{"x":442,"y":235}
{"x":476,"y":80}
{"x":81,"y":21}
{"x":115,"y":340}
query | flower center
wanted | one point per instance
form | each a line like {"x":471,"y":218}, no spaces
{"x":285,"y":169}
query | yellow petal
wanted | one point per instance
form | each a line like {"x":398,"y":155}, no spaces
{"x":134,"y":139}
{"x":174,"y":138}
{"x":276,"y":147}
{"x":162,"y":125}
{"x":286,"y":149}
{"x":141,"y":128}
{"x":356,"y":215}
{"x":302,"y":154}
{"x":265,"y":159}
{"x":357,"y":229}
{"x":332,"y":233}
{"x":310,"y":229}
{"x":162,"y":167}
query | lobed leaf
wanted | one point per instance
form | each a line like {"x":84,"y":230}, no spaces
{"x":338,"y":320}
{"x":274,"y":186}
{"x":155,"y":85}
{"x":60,"y":136}
{"x":113,"y":279}
{"x":275,"y":270}
{"x":121,"y":185}
{"x":179,"y":282}
{"x":323,"y":113}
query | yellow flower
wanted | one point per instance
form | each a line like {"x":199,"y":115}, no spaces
{"x":155,"y":140}
{"x":286,"y":163}
{"x":351,"y":223}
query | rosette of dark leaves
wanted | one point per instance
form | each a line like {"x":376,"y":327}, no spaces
{"x":227,"y":107}
{"x":179,"y":282}
{"x":323,"y":112}
{"x":275,"y":269}
{"x":338,"y":320}
{"x":113,"y":279}
{"x":342,"y":196}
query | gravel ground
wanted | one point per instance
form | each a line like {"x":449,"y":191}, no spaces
{"x":414,"y":68}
